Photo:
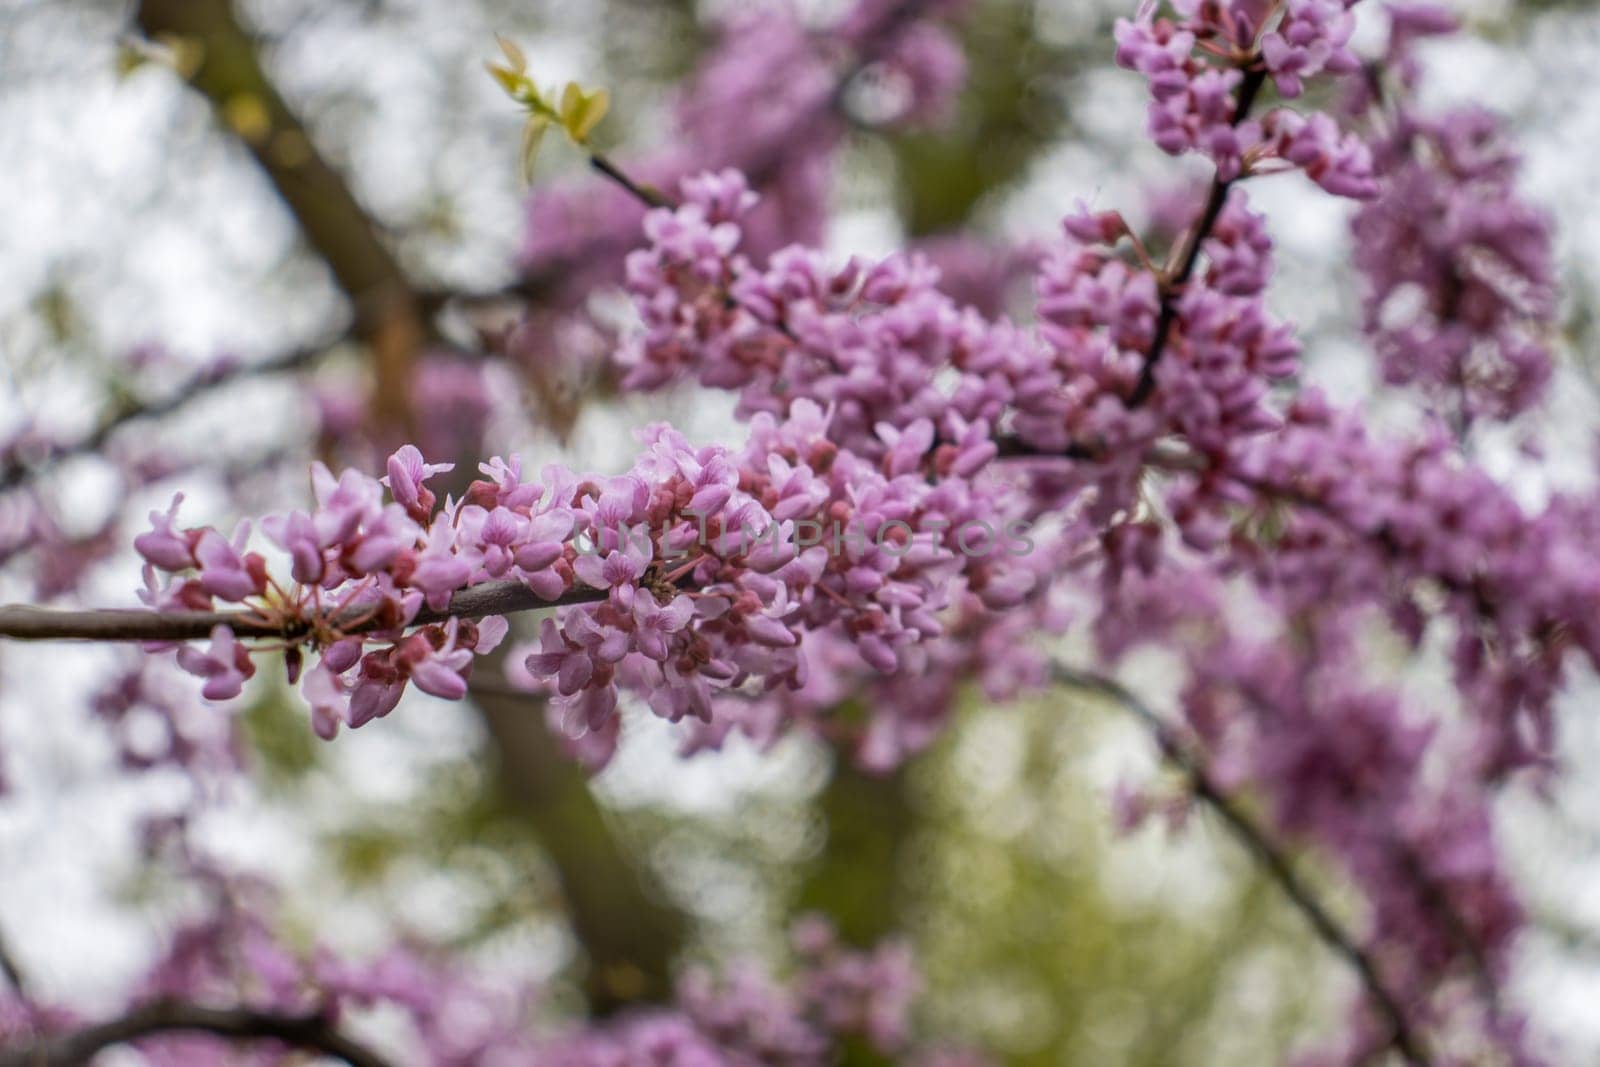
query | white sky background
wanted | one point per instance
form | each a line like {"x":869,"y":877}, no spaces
{"x":161,"y":229}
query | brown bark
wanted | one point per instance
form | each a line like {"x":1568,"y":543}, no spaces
{"x":629,"y":932}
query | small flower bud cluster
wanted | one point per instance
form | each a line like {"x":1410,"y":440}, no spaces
{"x":834,"y":996}
{"x":1204,"y":67}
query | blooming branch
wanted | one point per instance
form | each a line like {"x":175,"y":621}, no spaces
{"x":24,"y":623}
{"x":1188,"y":249}
{"x":1255,"y":839}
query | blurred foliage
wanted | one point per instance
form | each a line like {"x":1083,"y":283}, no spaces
{"x":855,"y":878}
{"x":1052,"y":941}
{"x":456,"y":822}
{"x":274,"y":726}
{"x":1013,"y":108}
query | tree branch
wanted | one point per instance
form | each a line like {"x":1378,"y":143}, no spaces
{"x":1273,"y":860}
{"x":310,"y":1032}
{"x":628,"y":930}
{"x":1190,"y":250}
{"x":154,"y":18}
{"x":619,"y":921}
{"x":23,"y":623}
{"x":338,"y":229}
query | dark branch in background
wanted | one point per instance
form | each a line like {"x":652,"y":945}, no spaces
{"x":12,"y":971}
{"x":617,"y":911}
{"x":280,"y":158}
{"x":333,"y":222}
{"x":313,"y":1033}
{"x":1273,"y":860}
{"x":18,"y":469}
{"x":1188,"y":252}
{"x":757,"y":171}
{"x":650,"y":198}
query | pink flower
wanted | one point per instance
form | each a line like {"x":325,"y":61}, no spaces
{"x":655,"y":623}
{"x":163,"y":545}
{"x":569,"y":664}
{"x":296,"y":534}
{"x":225,"y":665}
{"x":439,"y":671}
{"x":226,"y":570}
{"x":623,"y":567}
{"x":407,"y":473}
{"x":439,"y":571}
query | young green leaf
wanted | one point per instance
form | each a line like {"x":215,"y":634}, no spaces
{"x":581,"y":112}
{"x":509,"y":80}
{"x":514,"y":55}
{"x":532,"y":137}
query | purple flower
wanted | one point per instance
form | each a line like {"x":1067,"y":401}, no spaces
{"x":570,"y":664}
{"x":407,"y":473}
{"x":226,"y":570}
{"x":296,"y":534}
{"x":225,"y":665}
{"x":440,"y":671}
{"x":655,"y":623}
{"x":163,"y":545}
{"x":1312,"y":37}
{"x":545,"y":540}
{"x":623,"y":567}
{"x":439,"y":571}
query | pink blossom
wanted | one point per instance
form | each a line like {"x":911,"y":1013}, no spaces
{"x":407,"y":473}
{"x":225,"y":665}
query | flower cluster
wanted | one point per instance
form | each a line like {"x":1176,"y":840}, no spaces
{"x":789,"y":535}
{"x":449,"y":1015}
{"x":789,"y":538}
{"x":767,"y":100}
{"x":1345,"y":517}
{"x":746,"y":1017}
{"x":1099,"y":315}
{"x":1458,"y":273}
{"x":1206,"y":68}
{"x":357,"y":567}
{"x":1343,"y":765}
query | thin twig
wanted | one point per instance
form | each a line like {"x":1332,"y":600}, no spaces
{"x":17,"y":470}
{"x":1272,"y":858}
{"x":880,"y":36}
{"x":23,"y":623}
{"x":650,"y":198}
{"x":311,"y":1032}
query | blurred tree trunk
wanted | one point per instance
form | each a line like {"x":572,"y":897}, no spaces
{"x":628,"y":931}
{"x":857,"y":879}
{"x":221,"y":61}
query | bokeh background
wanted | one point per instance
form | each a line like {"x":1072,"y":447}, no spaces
{"x":146,"y":236}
